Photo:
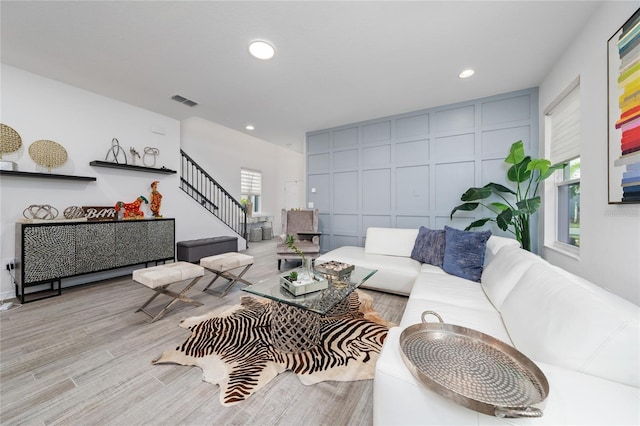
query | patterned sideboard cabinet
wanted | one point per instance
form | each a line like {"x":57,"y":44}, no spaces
{"x":48,"y":252}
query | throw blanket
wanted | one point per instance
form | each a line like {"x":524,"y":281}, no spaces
{"x":233,"y":348}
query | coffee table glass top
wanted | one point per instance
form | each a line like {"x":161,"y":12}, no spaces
{"x":318,"y":301}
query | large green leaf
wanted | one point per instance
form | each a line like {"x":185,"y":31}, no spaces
{"x":499,"y":206}
{"x":478,"y":223}
{"x":550,"y":171}
{"x":496,"y":187}
{"x":504,"y":219}
{"x":530,"y":205}
{"x":539,"y":164}
{"x":466,"y":207}
{"x":519,"y":172}
{"x":473,"y":194}
{"x":516,"y":153}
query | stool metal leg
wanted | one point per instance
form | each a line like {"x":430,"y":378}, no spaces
{"x":176,"y":297}
{"x":231,"y":278}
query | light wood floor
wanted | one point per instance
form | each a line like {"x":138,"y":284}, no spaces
{"x":84,"y":358}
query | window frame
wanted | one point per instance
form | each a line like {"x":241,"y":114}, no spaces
{"x":553,"y":187}
{"x":563,"y":215}
{"x":252,"y":194}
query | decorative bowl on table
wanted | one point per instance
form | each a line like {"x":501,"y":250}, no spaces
{"x":337,"y":273}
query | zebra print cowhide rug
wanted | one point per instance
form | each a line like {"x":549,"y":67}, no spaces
{"x":233,"y":348}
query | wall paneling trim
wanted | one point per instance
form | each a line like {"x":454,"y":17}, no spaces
{"x":409,"y":170}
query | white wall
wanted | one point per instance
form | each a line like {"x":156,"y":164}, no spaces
{"x":610,"y":234}
{"x":84,"y":123}
{"x":223,"y":152}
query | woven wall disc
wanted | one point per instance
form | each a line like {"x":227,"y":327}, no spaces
{"x":10,"y":140}
{"x":48,"y":153}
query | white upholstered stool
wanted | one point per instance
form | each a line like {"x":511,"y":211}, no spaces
{"x":222,"y":265}
{"x":158,"y":278}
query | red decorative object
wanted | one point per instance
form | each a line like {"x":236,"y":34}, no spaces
{"x":132,"y":210}
{"x":156,"y":199}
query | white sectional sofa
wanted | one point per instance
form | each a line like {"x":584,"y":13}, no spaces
{"x":584,"y":339}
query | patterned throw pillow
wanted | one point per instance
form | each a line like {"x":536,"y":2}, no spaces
{"x":464,"y":253}
{"x":429,"y":246}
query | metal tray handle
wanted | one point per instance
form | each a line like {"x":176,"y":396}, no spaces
{"x":513,"y":412}
{"x":425,"y":313}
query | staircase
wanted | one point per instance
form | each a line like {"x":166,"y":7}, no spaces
{"x":200,"y":186}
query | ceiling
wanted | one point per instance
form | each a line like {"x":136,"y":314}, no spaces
{"x":336,"y":62}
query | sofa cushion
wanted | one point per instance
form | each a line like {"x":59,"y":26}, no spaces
{"x":390,"y":241}
{"x":561,"y":319}
{"x":495,"y":244}
{"x":429,"y":246}
{"x":464,"y":253}
{"x":503,"y":273}
{"x":395,"y":274}
{"x":442,"y":287}
{"x":484,"y":320}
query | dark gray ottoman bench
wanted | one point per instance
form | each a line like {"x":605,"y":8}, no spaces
{"x":194,"y":250}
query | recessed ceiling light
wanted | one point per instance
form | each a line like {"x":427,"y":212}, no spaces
{"x":261,"y":49}
{"x":249,"y":127}
{"x":467,"y":73}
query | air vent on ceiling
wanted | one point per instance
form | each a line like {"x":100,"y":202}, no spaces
{"x":183,"y":100}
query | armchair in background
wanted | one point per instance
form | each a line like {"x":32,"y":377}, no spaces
{"x":303,"y":225}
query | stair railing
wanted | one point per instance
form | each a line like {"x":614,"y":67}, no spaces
{"x":200,"y":186}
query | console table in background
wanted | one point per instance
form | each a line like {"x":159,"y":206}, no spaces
{"x":50,"y":251}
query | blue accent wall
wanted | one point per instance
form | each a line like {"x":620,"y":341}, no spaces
{"x":409,"y":170}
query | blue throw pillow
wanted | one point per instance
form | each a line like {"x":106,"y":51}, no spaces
{"x":429,"y":246}
{"x":464,"y":253}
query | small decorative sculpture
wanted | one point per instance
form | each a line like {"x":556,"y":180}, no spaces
{"x":134,"y":154}
{"x":40,"y":211}
{"x":150,"y":151}
{"x":156,"y":199}
{"x":115,"y":150}
{"x":73,"y":212}
{"x":132,"y":210}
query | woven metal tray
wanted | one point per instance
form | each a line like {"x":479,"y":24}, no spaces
{"x":473,"y":369}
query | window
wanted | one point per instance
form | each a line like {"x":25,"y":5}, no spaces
{"x":251,"y":188}
{"x":568,"y":189}
{"x":562,"y":209}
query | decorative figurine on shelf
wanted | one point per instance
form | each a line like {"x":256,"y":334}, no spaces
{"x":115,"y":150}
{"x":150,"y":151}
{"x":73,"y":212}
{"x":156,"y":200}
{"x":132,"y":210}
{"x":40,"y":211}
{"x":134,"y":154}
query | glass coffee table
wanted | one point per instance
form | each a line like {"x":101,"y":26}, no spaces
{"x":296,"y":320}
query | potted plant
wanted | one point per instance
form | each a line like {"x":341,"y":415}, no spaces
{"x":514,"y":213}
{"x":248,"y":206}
{"x":290,"y":242}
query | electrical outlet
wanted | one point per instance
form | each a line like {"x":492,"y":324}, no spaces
{"x":9,"y":264}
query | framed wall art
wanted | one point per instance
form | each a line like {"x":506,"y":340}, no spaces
{"x":623,"y":60}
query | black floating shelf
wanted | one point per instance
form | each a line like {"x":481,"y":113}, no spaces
{"x":45,"y":175}
{"x":106,"y":164}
